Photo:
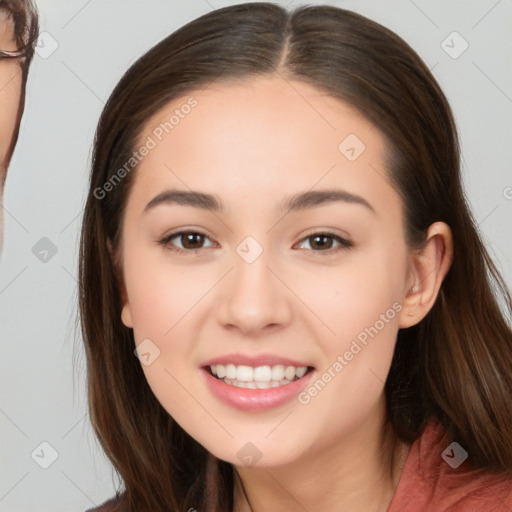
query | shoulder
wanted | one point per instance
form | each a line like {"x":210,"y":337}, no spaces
{"x":112,"y":505}
{"x":437,"y":477}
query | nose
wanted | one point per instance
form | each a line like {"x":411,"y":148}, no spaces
{"x":253,"y":298}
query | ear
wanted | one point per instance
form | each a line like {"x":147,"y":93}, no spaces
{"x":126,"y":314}
{"x":427,"y":270}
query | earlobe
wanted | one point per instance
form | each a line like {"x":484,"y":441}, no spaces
{"x":428,"y":268}
{"x":126,"y":315}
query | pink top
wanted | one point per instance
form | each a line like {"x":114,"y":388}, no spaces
{"x":431,"y":482}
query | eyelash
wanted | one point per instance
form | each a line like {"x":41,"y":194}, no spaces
{"x":344,"y":244}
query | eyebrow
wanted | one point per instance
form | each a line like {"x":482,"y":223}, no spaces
{"x":297,"y":202}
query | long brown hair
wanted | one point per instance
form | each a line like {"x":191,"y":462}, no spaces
{"x":455,"y":366}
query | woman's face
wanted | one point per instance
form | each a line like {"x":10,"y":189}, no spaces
{"x":260,"y":287}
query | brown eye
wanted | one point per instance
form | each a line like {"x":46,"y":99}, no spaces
{"x":185,"y":241}
{"x":192,"y":240}
{"x":324,"y":242}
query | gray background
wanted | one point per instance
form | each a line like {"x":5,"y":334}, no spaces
{"x":42,"y":377}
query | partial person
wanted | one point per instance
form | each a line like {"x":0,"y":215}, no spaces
{"x":18,"y":36}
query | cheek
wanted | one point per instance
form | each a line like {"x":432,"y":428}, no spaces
{"x":160,"y":294}
{"x":168,"y":303}
{"x":163,"y":300}
{"x":359,"y":305}
{"x":348,"y":387}
{"x":10,"y":91}
{"x":355,"y":295}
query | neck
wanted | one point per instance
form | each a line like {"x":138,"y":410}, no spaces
{"x":357,"y":473}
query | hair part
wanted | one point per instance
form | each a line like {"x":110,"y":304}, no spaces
{"x":455,"y":366}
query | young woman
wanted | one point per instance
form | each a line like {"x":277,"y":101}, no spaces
{"x":285,"y":303}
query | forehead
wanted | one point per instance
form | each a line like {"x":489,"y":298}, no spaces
{"x":259,"y":140}
{"x":266,"y":119}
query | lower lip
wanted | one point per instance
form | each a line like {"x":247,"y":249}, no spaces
{"x":255,"y":400}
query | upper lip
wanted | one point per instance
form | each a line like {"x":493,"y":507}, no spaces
{"x":254,"y":360}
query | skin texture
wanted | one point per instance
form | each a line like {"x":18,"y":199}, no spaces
{"x":253,"y":144}
{"x":10,"y":92}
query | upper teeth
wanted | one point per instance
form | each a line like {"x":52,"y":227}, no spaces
{"x":244,"y":373}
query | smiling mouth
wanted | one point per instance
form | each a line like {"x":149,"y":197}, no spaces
{"x":259,"y":377}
